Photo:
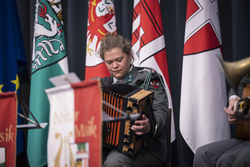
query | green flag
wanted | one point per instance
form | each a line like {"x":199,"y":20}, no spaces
{"x":48,"y":60}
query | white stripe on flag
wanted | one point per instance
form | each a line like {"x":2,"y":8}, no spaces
{"x":203,"y":96}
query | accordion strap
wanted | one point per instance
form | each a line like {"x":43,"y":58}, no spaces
{"x":148,"y":78}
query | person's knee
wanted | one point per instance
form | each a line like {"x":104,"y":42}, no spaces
{"x":116,"y":159}
{"x":200,"y":153}
{"x":242,"y":159}
{"x":109,"y":163}
{"x":113,"y":163}
{"x":201,"y":158}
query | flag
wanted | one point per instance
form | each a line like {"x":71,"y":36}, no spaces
{"x":48,"y":60}
{"x":203,"y":88}
{"x":148,"y":43}
{"x":75,"y":133}
{"x":101,"y":19}
{"x":8,"y":122}
{"x":12,"y":55}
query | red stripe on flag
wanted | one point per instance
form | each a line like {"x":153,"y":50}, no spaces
{"x":191,"y":8}
{"x":199,"y":41}
{"x":99,"y":70}
{"x":162,"y":62}
{"x":153,"y":16}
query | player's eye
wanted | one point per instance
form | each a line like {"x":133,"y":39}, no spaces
{"x":109,"y":62}
{"x":120,"y":59}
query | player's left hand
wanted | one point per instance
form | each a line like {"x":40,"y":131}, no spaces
{"x":141,"y":127}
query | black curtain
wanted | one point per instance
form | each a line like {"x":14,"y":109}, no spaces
{"x":234,"y":19}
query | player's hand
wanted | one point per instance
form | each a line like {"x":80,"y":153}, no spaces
{"x":229,"y":110}
{"x":141,"y":127}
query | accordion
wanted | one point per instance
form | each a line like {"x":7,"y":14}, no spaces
{"x":131,"y":100}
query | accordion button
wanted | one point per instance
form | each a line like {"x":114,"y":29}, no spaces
{"x":135,"y":105}
{"x":130,"y":151}
{"x":126,"y":144}
{"x":129,"y":109}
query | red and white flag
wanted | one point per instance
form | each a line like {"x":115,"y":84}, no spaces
{"x":8,"y":122}
{"x":75,"y":133}
{"x":148,"y":43}
{"x":101,"y":19}
{"x":203,"y":89}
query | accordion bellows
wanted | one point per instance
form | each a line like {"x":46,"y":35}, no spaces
{"x":118,"y":134}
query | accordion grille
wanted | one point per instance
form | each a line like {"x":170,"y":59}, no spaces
{"x":115,"y":101}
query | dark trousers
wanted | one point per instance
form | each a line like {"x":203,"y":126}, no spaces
{"x":232,"y":152}
{"x":142,"y":159}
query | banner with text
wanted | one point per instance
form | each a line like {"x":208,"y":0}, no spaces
{"x":8,"y":121}
{"x":75,"y":125}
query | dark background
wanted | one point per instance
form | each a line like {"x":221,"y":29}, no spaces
{"x":235,"y":26}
